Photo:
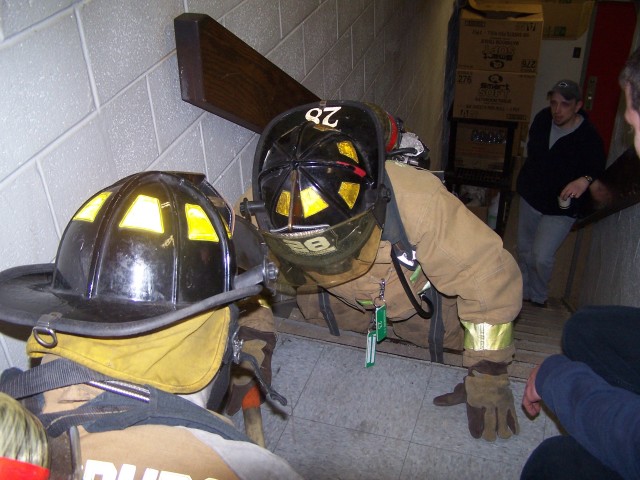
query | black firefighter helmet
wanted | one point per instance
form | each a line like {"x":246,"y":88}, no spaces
{"x":144,"y":253}
{"x":319,"y":189}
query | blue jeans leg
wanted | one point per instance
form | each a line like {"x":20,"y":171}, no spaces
{"x":539,"y":237}
{"x":562,"y":458}
{"x":606,"y":338}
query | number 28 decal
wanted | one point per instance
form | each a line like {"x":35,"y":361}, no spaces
{"x":322,"y":116}
{"x":311,"y":246}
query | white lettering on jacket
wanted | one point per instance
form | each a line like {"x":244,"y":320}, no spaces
{"x":97,"y":470}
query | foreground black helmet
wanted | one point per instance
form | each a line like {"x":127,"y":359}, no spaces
{"x":319,"y":189}
{"x":141,"y":254}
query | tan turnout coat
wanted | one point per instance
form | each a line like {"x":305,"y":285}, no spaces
{"x":461,"y":256}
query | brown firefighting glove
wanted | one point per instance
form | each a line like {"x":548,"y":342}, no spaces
{"x":259,"y":345}
{"x":458,"y":396}
{"x":490,"y":406}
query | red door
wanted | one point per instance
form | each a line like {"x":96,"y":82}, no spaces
{"x":610,"y":47}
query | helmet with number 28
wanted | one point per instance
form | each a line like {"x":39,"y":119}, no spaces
{"x":318,"y":181}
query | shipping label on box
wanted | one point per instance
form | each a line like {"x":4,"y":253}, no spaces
{"x":493,"y":96}
{"x":507,"y":45}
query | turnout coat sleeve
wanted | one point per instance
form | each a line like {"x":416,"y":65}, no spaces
{"x":459,"y":253}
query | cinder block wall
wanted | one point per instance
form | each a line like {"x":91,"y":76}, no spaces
{"x":89,"y":93}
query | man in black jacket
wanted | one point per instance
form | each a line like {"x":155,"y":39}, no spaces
{"x":565,"y":154}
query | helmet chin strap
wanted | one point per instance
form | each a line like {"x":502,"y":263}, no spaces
{"x":47,"y":325}
{"x":265,"y":274}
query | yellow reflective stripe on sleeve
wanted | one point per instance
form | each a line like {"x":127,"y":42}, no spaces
{"x":483,"y":336}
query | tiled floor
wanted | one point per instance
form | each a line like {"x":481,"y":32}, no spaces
{"x":345,"y":421}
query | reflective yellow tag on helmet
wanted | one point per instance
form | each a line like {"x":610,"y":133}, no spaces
{"x":347,"y":149}
{"x":312,"y":202}
{"x":284,"y":201}
{"x":349,"y":192}
{"x":144,"y":214}
{"x":199,"y":225}
{"x":92,"y":207}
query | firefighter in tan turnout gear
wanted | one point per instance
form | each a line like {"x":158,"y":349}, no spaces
{"x":343,"y":209}
{"x":136,"y":326}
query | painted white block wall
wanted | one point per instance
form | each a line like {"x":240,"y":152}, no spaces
{"x":89,"y":93}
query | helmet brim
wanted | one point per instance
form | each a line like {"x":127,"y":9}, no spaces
{"x":27,"y":299}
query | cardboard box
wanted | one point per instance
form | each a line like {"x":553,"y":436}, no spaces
{"x":513,"y":7}
{"x":481,"y":147}
{"x":490,"y":95}
{"x":566,"y":19}
{"x":504,"y":44}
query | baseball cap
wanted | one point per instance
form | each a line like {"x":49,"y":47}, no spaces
{"x":568,"y":89}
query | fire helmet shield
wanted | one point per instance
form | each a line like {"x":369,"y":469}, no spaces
{"x":318,"y":179}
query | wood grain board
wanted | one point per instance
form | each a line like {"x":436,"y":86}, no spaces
{"x":223,"y":75}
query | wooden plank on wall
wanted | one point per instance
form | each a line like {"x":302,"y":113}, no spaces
{"x":223,"y":75}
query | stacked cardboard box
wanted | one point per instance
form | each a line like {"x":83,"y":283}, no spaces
{"x":497,"y":61}
{"x":498,"y":52}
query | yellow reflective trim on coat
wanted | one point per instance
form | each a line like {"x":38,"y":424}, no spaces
{"x":484,"y":336}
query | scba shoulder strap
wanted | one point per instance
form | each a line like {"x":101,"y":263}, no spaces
{"x":403,"y":252}
{"x":121,"y":405}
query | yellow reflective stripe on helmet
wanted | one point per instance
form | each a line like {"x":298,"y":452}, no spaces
{"x":483,"y":336}
{"x":347,"y":149}
{"x":312,"y":202}
{"x":92,"y":207}
{"x":199,"y":225}
{"x":144,"y":214}
{"x":284,"y":200}
{"x":349,"y":192}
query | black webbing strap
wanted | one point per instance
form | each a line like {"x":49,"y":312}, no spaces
{"x":136,"y":405}
{"x":432,"y":298}
{"x":407,"y":289}
{"x":327,"y":312}
{"x":110,"y":411}
{"x":395,"y":233}
{"x":436,"y":329}
{"x":47,"y":376}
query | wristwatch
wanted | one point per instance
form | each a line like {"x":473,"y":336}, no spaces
{"x":589,"y":179}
